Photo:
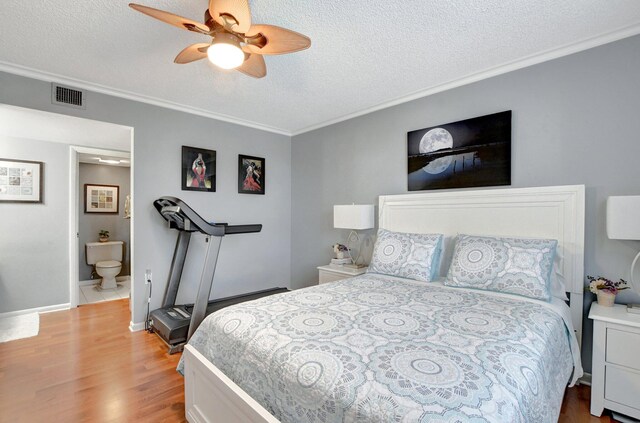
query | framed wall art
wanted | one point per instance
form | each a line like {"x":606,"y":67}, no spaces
{"x":101,"y":198}
{"x":251,"y":174}
{"x":20,"y":181}
{"x":469,"y":153}
{"x":198,"y":169}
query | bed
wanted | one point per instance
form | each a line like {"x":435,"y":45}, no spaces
{"x":380,"y":348}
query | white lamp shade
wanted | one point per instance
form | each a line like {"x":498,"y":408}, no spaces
{"x":623,"y":217}
{"x":354,"y":216}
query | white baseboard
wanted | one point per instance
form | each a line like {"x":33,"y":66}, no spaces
{"x":136,"y":327}
{"x":585,"y":379}
{"x":45,"y":309}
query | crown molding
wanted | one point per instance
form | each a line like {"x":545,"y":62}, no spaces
{"x":102,"y":89}
{"x":524,"y":62}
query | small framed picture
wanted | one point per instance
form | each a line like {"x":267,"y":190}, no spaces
{"x":101,"y":198}
{"x":20,"y":181}
{"x":198,"y":169}
{"x":250,"y":174}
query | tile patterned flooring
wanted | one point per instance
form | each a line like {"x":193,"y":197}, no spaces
{"x":93,"y":294}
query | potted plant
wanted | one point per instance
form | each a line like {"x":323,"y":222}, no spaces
{"x":103,"y":235}
{"x":606,"y":289}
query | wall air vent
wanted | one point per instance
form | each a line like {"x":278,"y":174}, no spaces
{"x":67,"y":96}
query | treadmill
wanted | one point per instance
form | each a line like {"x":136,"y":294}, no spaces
{"x":176,"y":323}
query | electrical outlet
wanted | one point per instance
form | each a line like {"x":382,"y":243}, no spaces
{"x":147,"y":276}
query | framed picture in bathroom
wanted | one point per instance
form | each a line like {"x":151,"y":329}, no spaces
{"x":101,"y":198}
{"x":20,"y":181}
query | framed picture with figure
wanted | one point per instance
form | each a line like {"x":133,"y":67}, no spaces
{"x":251,"y":174}
{"x":198,"y":169}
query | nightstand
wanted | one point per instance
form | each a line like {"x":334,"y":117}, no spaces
{"x":331,"y":273}
{"x":615,"y":379}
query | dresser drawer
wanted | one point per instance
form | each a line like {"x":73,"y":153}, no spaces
{"x":623,"y":348}
{"x":622,"y":386}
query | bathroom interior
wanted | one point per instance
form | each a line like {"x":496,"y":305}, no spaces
{"x":103,"y":228}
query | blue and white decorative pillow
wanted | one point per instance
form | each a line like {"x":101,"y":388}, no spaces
{"x":518,"y":266}
{"x":411,"y":256}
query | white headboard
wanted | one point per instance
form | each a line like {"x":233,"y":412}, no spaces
{"x":544,"y":212}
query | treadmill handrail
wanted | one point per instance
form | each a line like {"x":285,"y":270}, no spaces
{"x":184,"y":218}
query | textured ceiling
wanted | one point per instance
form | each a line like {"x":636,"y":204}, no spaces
{"x":364,"y":53}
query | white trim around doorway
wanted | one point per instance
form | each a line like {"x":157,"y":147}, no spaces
{"x":74,"y":195}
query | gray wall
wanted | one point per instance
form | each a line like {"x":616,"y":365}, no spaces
{"x":575,"y":121}
{"x":247,"y":262}
{"x":34,"y":243}
{"x":89,"y":224}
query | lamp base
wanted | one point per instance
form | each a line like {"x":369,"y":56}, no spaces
{"x":633,"y":308}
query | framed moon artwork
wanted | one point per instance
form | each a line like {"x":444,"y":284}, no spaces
{"x":470,"y":153}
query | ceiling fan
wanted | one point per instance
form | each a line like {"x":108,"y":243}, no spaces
{"x":236,"y":43}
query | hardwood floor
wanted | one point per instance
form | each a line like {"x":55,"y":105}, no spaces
{"x":86,"y":366}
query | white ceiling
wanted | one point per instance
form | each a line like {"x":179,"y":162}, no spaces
{"x":122,"y":159}
{"x":365,"y":55}
{"x":44,"y":126}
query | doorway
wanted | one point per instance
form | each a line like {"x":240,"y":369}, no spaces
{"x":51,"y":226}
{"x":104,"y":217}
{"x":85,"y":285}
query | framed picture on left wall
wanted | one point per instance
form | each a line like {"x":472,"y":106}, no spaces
{"x":101,"y":198}
{"x":198,"y":169}
{"x":20,"y":181}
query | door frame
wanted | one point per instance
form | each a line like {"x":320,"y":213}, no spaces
{"x":74,"y":215}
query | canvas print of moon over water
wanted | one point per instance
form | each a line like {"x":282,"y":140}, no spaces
{"x":470,"y":153}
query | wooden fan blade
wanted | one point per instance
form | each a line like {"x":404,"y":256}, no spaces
{"x":278,"y":40}
{"x":253,"y":66}
{"x":192,"y":53}
{"x":238,"y":9}
{"x":171,"y":19}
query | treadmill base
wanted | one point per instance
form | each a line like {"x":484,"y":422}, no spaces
{"x":171,"y":324}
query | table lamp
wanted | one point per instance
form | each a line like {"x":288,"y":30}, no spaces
{"x":355,"y":217}
{"x":623,"y":222}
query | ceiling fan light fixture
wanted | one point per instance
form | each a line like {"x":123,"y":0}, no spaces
{"x":225,"y":51}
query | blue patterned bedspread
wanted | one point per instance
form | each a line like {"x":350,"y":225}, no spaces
{"x":379,"y":349}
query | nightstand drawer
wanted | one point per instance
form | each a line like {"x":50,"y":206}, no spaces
{"x":326,"y":277}
{"x":622,"y":386}
{"x":331,"y":273}
{"x":623,"y":348}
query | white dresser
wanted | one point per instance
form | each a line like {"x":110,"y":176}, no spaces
{"x":332,"y":273}
{"x":615,"y":382}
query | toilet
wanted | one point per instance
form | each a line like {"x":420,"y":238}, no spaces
{"x":107,"y":259}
